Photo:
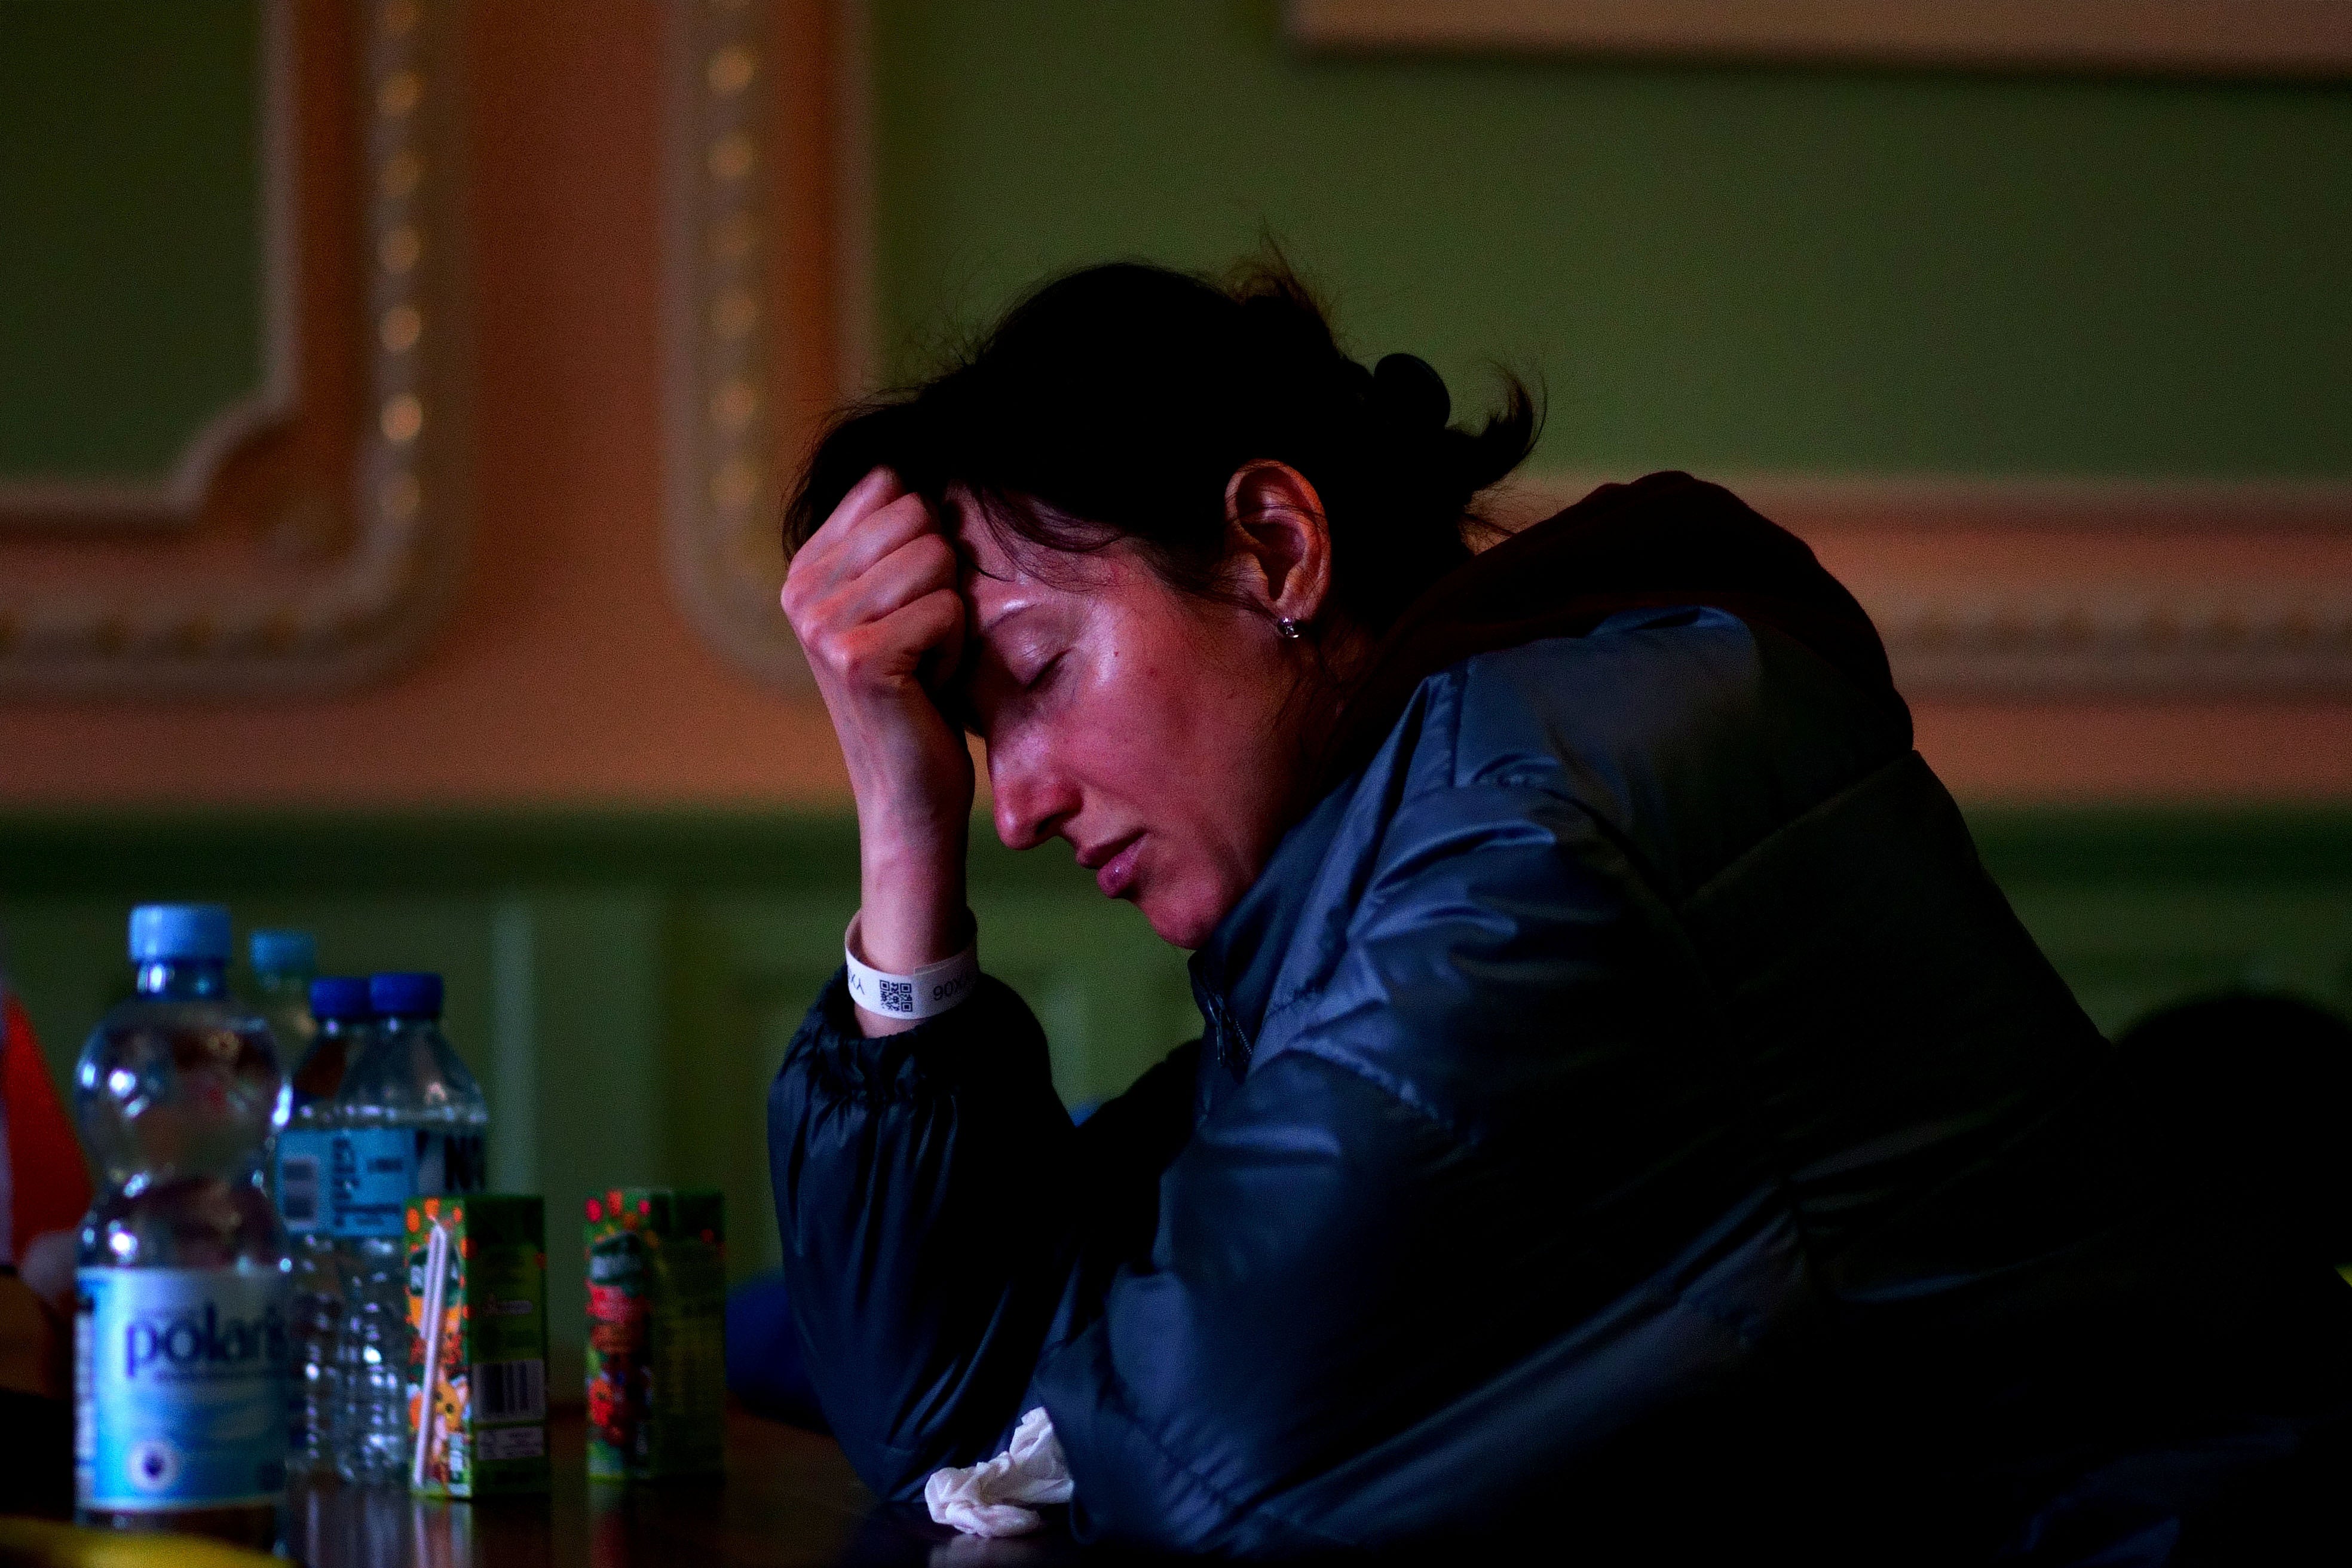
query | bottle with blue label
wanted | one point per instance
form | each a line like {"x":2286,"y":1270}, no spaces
{"x":305,"y":1159}
{"x":180,"y":1341}
{"x":414,"y":1123}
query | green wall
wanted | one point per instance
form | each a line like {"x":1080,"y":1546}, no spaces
{"x":131,"y":241}
{"x":624,"y":985}
{"x":1719,"y":268}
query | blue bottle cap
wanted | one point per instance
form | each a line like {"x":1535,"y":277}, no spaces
{"x":342,"y":998}
{"x":405,"y":995}
{"x":162,"y":933}
{"x":282,"y":952}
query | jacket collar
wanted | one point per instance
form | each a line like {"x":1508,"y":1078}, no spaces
{"x":1668,"y":539}
{"x":1235,"y":972}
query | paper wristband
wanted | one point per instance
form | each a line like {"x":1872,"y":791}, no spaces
{"x":928,"y":992}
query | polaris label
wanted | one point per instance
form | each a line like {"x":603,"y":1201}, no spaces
{"x":180,"y":1379}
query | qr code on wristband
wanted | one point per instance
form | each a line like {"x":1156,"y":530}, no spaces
{"x":898,"y":995}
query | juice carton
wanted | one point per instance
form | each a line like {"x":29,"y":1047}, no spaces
{"x":478,"y":1386}
{"x":656,"y":1333}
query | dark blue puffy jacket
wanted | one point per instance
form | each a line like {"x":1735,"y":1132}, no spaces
{"x":1625,"y":1105}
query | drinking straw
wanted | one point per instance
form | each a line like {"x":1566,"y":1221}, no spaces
{"x":436,"y":1281}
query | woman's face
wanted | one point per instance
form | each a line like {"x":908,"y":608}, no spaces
{"x":1142,"y":724}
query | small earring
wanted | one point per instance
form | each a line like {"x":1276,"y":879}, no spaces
{"x":1287,"y":627}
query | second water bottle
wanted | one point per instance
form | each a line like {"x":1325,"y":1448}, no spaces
{"x":411,"y":1121}
{"x":305,"y":1160}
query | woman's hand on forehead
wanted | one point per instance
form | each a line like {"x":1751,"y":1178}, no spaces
{"x":875,"y":599}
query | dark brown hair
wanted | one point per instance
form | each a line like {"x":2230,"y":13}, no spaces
{"x":1119,"y":401}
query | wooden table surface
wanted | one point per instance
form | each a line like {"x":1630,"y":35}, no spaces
{"x":788,"y":1499}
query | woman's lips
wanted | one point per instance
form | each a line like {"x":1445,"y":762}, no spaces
{"x":1118,"y":872}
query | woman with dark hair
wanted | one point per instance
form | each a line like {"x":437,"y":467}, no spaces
{"x":1625,"y":1105}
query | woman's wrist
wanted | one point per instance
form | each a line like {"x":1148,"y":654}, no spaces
{"x":917,"y":994}
{"x":911,"y":902}
{"x":904,"y":930}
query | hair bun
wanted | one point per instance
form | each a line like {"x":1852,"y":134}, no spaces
{"x":1411,"y":393}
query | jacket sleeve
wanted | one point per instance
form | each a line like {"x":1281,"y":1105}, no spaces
{"x":1344,"y":1268}
{"x":942,"y":1219}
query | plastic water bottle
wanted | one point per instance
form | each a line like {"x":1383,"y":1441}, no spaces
{"x":283,"y":963}
{"x":179,"y":1331}
{"x":414,"y":1123}
{"x":305,"y":1159}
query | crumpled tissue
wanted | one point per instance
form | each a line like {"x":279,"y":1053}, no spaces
{"x":987,"y":1498}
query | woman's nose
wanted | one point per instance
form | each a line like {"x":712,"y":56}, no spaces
{"x":1032,"y":799}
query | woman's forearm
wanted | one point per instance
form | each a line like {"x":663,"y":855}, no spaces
{"x":912,"y":907}
{"x":871,"y":597}
{"x":923,"y":1251}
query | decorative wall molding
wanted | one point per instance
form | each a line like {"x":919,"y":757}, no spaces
{"x":767,"y":294}
{"x":851,"y":116}
{"x":326,"y":556}
{"x":176,"y":500}
{"x":2234,"y":37}
{"x":2077,"y":586}
{"x":719,"y":464}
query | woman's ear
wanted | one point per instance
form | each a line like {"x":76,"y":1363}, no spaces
{"x":1277,"y":541}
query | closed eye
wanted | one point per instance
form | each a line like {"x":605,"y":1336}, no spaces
{"x":1045,"y":673}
